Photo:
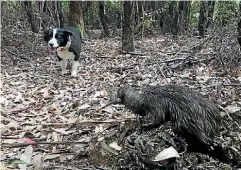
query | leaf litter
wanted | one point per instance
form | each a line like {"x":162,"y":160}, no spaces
{"x":37,"y":100}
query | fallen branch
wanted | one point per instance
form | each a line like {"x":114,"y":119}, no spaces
{"x":161,"y":71}
{"x":119,"y":69}
{"x":132,"y":53}
{"x":79,"y":122}
{"x":115,"y":102}
{"x":17,"y":145}
{"x":225,"y":112}
{"x":232,"y":84}
{"x":16,"y":75}
{"x":172,"y":60}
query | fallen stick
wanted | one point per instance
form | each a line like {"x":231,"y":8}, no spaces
{"x":79,"y":122}
{"x":17,"y":145}
{"x":132,"y":53}
{"x":16,"y":75}
{"x":97,"y":110}
{"x":237,"y":84}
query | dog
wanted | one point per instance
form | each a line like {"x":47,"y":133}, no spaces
{"x":66,"y":43}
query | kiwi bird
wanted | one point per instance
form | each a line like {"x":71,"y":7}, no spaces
{"x":192,"y":115}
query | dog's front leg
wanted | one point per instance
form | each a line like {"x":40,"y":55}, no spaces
{"x":75,"y":65}
{"x":63,"y":64}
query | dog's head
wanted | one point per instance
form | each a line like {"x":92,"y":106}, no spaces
{"x":57,"y":38}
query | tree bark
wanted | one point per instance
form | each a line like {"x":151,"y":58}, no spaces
{"x":128,"y":29}
{"x":174,"y":26}
{"x":211,"y":5}
{"x":202,"y":19}
{"x":206,"y":16}
{"x":103,"y":18}
{"x":239,"y":26}
{"x":29,"y":10}
{"x":184,"y":10}
{"x":61,"y":15}
{"x":76,"y":15}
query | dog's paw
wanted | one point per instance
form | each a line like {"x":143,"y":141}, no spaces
{"x":64,"y":72}
{"x":74,"y":74}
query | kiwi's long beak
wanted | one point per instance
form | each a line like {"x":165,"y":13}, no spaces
{"x":118,"y":100}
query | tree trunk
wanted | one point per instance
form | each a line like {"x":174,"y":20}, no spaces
{"x":61,"y":15}
{"x":76,"y":15}
{"x":184,"y":10}
{"x":239,"y":26}
{"x":128,"y":30}
{"x":161,"y":17}
{"x":171,"y":15}
{"x":29,"y":10}
{"x":202,"y":19}
{"x":174,"y":26}
{"x":206,"y":16}
{"x":211,"y":5}
{"x":103,"y":18}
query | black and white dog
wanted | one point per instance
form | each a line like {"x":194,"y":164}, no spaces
{"x":67,"y":45}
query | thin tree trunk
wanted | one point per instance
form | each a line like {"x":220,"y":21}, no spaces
{"x":103,"y":18}
{"x":239,"y":25}
{"x":174,"y":26}
{"x":202,"y":19}
{"x":61,"y":15}
{"x":211,"y":5}
{"x":76,"y":15}
{"x":128,"y":30}
{"x":184,"y":9}
{"x":161,"y":17}
{"x":29,"y":10}
{"x":206,"y":16}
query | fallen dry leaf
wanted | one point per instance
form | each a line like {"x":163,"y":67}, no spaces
{"x":38,"y":161}
{"x":233,"y":108}
{"x":166,"y":154}
{"x":84,"y":106}
{"x":26,"y":157}
{"x":115,"y":146}
{"x":18,"y":98}
{"x":109,"y":149}
{"x":51,"y":156}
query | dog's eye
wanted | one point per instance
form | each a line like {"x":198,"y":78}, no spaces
{"x":57,"y":36}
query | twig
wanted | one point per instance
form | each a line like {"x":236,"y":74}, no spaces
{"x":239,"y":137}
{"x":104,"y":57}
{"x":161,"y":70}
{"x":19,"y":110}
{"x":97,"y":110}
{"x":232,"y":84}
{"x":79,"y":122}
{"x":17,"y":75}
{"x":119,"y":69}
{"x":225,"y":112}
{"x":11,"y":52}
{"x":16,"y":145}
{"x":132,"y":53}
{"x":172,"y":60}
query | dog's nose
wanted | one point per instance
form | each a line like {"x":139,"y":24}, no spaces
{"x":51,"y":44}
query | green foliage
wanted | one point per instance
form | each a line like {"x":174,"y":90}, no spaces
{"x":65,"y":5}
{"x":225,"y":11}
{"x":194,"y":14}
{"x":147,"y":23}
{"x":16,"y":162}
{"x":91,"y":15}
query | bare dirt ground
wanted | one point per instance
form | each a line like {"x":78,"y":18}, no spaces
{"x":60,"y":113}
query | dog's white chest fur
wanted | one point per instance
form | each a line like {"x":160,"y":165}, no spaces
{"x":65,"y":54}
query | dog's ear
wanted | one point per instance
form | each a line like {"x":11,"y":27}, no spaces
{"x":46,"y":34}
{"x":70,"y":33}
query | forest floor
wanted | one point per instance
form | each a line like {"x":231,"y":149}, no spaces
{"x":61,"y":114}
